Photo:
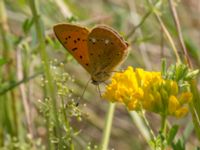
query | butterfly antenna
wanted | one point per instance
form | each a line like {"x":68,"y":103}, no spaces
{"x":98,"y":87}
{"x":83,"y":92}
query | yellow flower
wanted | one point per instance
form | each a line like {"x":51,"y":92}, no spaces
{"x":181,"y":112}
{"x":185,"y":97}
{"x":138,"y":89}
{"x":173,"y":104}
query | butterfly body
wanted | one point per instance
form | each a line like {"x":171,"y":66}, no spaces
{"x":99,"y":51}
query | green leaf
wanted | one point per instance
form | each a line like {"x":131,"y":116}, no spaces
{"x":164,"y":68}
{"x":172,"y":133}
{"x":27,"y":25}
{"x":180,"y":145}
{"x":192,"y":74}
{"x":180,"y":72}
{"x":2,"y":61}
{"x":171,"y":72}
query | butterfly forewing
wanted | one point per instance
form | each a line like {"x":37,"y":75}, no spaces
{"x":106,"y":51}
{"x":74,"y":39}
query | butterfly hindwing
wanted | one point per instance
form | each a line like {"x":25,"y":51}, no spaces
{"x":106,"y":51}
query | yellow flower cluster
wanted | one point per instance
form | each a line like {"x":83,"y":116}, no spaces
{"x":139,"y":89}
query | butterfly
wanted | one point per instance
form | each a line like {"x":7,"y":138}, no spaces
{"x":99,"y":51}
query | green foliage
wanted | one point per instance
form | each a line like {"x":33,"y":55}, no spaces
{"x":27,"y":25}
{"x":179,"y":145}
{"x":180,"y":73}
{"x":172,"y":133}
{"x":12,"y":143}
{"x":2,"y":61}
{"x":67,"y":109}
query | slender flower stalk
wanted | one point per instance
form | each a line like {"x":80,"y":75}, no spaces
{"x":45,"y":62}
{"x":142,"y":115}
{"x":107,"y":127}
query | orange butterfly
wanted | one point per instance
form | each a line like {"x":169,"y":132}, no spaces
{"x":99,"y":51}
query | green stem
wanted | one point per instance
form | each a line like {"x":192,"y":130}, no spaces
{"x":163,"y":124}
{"x":45,"y":62}
{"x":153,"y":138}
{"x":195,"y":108}
{"x":141,"y":22}
{"x":163,"y":130}
{"x":107,"y":127}
{"x":7,"y":74}
{"x":67,"y":124}
{"x":13,"y":85}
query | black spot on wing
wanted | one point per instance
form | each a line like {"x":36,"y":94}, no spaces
{"x":81,"y":57}
{"x":74,"y":49}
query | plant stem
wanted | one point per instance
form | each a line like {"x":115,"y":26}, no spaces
{"x":141,"y":22}
{"x":163,"y":130}
{"x":107,"y":127}
{"x":66,"y":122}
{"x":169,"y":37}
{"x":7,"y":73}
{"x":45,"y":62}
{"x":195,"y":107}
{"x":178,"y":28}
{"x":153,"y":138}
{"x":163,"y":124}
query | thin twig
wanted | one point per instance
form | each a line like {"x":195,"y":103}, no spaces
{"x":137,"y":26}
{"x":15,"y":84}
{"x":142,"y":21}
{"x":169,"y":37}
{"x":23,"y":92}
{"x":178,"y":28}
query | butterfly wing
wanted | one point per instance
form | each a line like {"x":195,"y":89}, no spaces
{"x":74,"y":39}
{"x":106,"y":51}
